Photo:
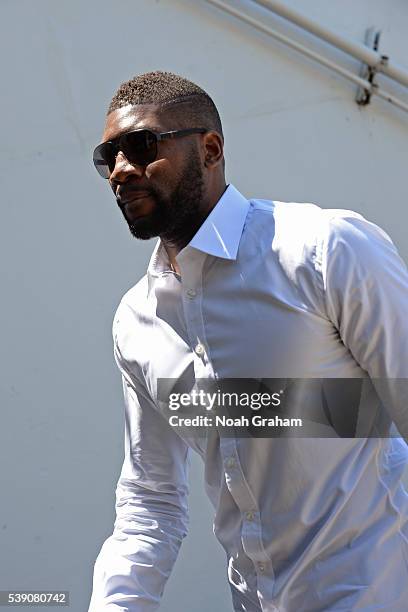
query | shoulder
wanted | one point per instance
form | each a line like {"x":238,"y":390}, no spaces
{"x":126,"y":336}
{"x":305,"y":231}
{"x":295,"y":224}
{"x":296,"y":232}
{"x":351,"y":245}
{"x":130,"y":307}
{"x":309,"y":244}
{"x":307,"y":222}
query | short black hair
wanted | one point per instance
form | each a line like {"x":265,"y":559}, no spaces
{"x":167,"y":90}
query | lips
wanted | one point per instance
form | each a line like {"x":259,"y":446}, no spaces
{"x":132,"y":196}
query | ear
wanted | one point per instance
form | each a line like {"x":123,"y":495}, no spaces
{"x":213,"y":149}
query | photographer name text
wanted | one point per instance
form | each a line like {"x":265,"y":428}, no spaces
{"x":255,"y":420}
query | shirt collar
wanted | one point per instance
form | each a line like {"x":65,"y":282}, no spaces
{"x":219,"y":235}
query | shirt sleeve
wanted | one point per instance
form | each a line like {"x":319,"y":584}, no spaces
{"x":366,"y":292}
{"x":135,"y":562}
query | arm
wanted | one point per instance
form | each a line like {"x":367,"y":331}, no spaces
{"x":151,"y":509}
{"x":366,"y":290}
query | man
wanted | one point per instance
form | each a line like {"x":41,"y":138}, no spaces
{"x":251,"y":289}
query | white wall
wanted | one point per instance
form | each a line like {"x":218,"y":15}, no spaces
{"x":293,"y":132}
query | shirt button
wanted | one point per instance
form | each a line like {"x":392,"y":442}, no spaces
{"x":191,"y":293}
{"x":249,"y":515}
{"x":230,"y":462}
{"x":199,"y":349}
{"x":261,"y":567}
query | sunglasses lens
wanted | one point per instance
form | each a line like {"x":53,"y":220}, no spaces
{"x":140,"y":147}
{"x":104,"y":159}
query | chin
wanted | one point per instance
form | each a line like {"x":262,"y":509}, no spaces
{"x":143,"y":229}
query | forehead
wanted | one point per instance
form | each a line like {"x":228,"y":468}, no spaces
{"x":133,"y":118}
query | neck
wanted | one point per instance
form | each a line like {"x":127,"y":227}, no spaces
{"x":174,"y":244}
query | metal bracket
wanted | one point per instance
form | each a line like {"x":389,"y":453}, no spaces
{"x":372,"y":40}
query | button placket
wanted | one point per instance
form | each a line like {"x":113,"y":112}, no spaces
{"x":191,"y":264}
{"x":200,"y":350}
{"x":251,"y":530}
{"x":230,"y":462}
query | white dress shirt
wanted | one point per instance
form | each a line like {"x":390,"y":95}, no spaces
{"x":267,"y":289}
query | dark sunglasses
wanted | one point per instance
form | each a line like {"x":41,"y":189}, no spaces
{"x":138,"y":146}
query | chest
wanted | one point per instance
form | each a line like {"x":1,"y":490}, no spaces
{"x":231,"y":322}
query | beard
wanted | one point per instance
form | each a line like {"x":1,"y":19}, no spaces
{"x":175,"y":217}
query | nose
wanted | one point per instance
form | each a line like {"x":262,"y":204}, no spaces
{"x":124,"y":169}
